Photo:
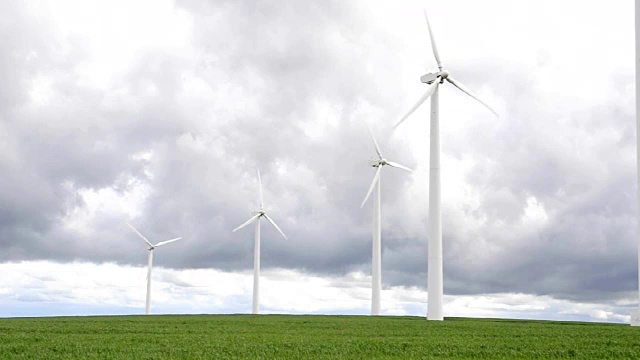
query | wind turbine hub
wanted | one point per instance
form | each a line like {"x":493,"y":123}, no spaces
{"x":444,"y":74}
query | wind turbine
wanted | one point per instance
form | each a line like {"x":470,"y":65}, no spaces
{"x":376,"y":256}
{"x":434,"y":281}
{"x":257,"y":215}
{"x":151,"y":248}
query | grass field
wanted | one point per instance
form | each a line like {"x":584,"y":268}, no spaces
{"x":304,"y":337}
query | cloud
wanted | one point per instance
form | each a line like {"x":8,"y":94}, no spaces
{"x":90,"y":289}
{"x":163,"y":121}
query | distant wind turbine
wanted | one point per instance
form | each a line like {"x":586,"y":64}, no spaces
{"x":151,"y":248}
{"x":376,"y":256}
{"x":256,"y":247}
{"x":434,"y":282}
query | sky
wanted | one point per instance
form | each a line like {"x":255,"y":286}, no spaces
{"x":159,"y":113}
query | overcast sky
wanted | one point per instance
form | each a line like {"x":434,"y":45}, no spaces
{"x":158,"y":113}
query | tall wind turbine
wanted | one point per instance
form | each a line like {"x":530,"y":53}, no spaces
{"x":434,"y":80}
{"x":257,"y":215}
{"x":376,"y":255}
{"x":151,"y":248}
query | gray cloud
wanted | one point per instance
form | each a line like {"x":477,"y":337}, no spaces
{"x":286,"y":88}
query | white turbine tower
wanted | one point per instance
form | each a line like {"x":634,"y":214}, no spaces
{"x":434,"y":282}
{"x":151,"y":248}
{"x":376,"y":255}
{"x":256,"y":247}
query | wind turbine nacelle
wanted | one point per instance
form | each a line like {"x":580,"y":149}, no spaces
{"x":429,"y":78}
{"x":374,"y":163}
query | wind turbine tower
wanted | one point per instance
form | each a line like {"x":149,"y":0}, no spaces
{"x":257,"y":215}
{"x":150,"y":263}
{"x":435,"y":287}
{"x":376,"y":248}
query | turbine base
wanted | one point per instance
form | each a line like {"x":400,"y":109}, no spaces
{"x":635,"y":317}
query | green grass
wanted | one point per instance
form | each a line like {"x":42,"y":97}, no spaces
{"x":305,"y":337}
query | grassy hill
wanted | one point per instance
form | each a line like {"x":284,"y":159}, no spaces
{"x":308,"y":336}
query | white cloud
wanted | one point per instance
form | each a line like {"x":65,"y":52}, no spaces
{"x":534,"y":212}
{"x":160,"y":111}
{"x":30,"y":285}
{"x":114,"y":34}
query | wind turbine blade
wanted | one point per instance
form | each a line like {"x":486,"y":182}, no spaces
{"x":253,"y":218}
{"x":433,"y":42}
{"x":466,"y":91}
{"x":260,"y":186}
{"x":427,"y":94}
{"x":375,"y":143}
{"x":373,"y":184}
{"x":137,"y":232}
{"x":396,"y":165}
{"x":167,"y":241}
{"x":276,"y":226}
